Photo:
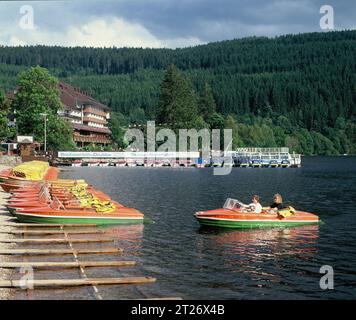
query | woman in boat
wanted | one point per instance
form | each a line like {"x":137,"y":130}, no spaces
{"x":277,"y":203}
{"x":255,"y":206}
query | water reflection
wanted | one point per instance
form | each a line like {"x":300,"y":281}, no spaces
{"x":129,"y":237}
{"x":260,"y":253}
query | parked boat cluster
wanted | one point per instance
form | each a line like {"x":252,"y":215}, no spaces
{"x":242,"y":157}
{"x":37,"y":195}
{"x":253,"y":163}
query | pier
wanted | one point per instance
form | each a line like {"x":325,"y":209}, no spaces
{"x":11,"y":228}
{"x":266,"y":157}
{"x":27,"y":250}
{"x":241,"y":157}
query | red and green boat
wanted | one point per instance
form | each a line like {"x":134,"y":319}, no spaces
{"x":63,"y":216}
{"x":69,"y":202}
{"x":233,"y":216}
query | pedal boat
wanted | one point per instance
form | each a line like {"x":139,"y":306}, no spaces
{"x":274,"y":164}
{"x":232,"y":216}
{"x":74,"y":216}
{"x":57,"y":213}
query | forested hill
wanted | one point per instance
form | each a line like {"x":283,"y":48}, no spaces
{"x":308,"y":78}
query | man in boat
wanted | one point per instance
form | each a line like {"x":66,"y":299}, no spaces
{"x":255,"y":206}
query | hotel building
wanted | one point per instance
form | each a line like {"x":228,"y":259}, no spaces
{"x":88,"y":117}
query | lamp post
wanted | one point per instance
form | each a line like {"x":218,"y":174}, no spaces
{"x":44,"y":115}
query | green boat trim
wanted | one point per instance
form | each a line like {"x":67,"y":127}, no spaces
{"x":75,"y":220}
{"x":243,"y":224}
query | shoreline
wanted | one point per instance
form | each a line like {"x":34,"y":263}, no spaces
{"x":5,"y":294}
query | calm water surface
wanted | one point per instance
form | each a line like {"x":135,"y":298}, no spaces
{"x":196,"y":263}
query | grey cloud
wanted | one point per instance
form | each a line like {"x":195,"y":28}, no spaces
{"x":212,"y":20}
{"x":207,"y":20}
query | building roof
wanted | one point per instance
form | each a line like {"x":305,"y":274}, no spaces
{"x":83,"y":127}
{"x":73,"y":97}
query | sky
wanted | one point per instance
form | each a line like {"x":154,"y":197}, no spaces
{"x":162,"y":23}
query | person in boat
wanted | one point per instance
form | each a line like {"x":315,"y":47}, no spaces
{"x":277,"y":203}
{"x":255,"y":206}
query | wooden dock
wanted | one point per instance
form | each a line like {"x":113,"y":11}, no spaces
{"x":44,"y":232}
{"x":53,"y":241}
{"x":74,"y":264}
{"x":74,"y":282}
{"x":58,"y":251}
{"x":20,"y":235}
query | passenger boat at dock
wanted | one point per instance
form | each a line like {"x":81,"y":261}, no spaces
{"x":232,"y":215}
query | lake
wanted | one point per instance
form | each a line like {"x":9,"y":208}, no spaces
{"x":195,"y":263}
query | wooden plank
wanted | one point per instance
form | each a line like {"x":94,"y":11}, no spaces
{"x":165,"y":298}
{"x":46,"y":225}
{"x":37,"y":232}
{"x":54,"y":241}
{"x":84,"y":264}
{"x":58,"y":251}
{"x":74,"y":282}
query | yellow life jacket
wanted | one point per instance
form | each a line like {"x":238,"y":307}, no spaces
{"x":286,"y":212}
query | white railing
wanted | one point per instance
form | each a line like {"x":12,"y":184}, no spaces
{"x":263,"y":150}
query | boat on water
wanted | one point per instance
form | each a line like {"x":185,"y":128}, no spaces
{"x":27,"y":173}
{"x":77,"y":163}
{"x":285,"y":163}
{"x":76,"y":216}
{"x":232,"y":215}
{"x":256,"y":163}
{"x":104,"y":164}
{"x":94,"y":164}
{"x":57,"y":213}
{"x":69,"y":202}
{"x":244,"y":164}
{"x":4,"y":174}
{"x":274,"y":164}
{"x":140,"y":163}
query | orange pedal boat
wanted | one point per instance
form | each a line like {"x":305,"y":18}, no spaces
{"x":233,"y":216}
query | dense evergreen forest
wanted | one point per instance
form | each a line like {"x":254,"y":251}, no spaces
{"x":295,"y":90}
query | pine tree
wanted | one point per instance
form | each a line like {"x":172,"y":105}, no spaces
{"x":177,"y":107}
{"x":3,"y":117}
{"x":207,"y":104}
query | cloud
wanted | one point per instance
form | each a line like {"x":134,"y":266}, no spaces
{"x":164,"y":23}
{"x":106,"y":32}
{"x":99,"y":32}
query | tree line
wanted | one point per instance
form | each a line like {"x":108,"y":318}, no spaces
{"x":295,"y":90}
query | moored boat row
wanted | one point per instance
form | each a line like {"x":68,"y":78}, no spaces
{"x":52,"y":200}
{"x":177,"y":164}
